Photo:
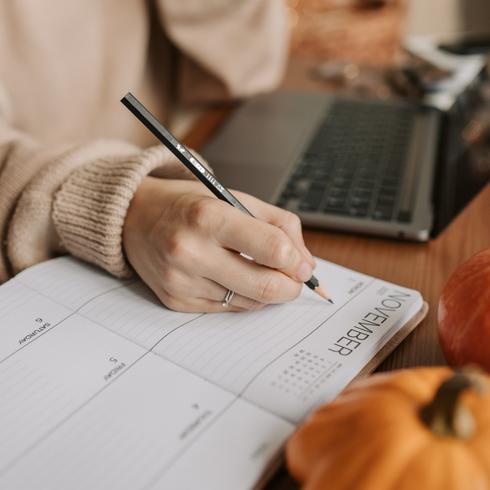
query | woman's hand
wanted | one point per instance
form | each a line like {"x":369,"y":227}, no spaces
{"x":186,"y":244}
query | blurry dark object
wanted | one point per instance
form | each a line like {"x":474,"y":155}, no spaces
{"x":345,"y":76}
{"x":427,"y":73}
{"x":465,"y":154}
{"x":477,"y":45}
{"x":411,"y":78}
{"x":405,"y":82}
{"x":414,"y":76}
{"x":373,"y":3}
{"x":476,"y":133}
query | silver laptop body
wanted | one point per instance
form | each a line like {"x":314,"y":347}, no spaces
{"x":258,"y":150}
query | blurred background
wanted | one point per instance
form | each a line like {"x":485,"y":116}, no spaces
{"x":370,"y":30}
{"x":357,"y":30}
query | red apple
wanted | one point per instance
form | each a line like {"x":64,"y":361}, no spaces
{"x":464,"y":313}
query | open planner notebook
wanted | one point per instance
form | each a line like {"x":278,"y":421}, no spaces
{"x":103,"y":388}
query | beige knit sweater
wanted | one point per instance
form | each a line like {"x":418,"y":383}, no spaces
{"x":71,"y":157}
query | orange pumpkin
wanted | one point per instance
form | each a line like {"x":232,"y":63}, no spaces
{"x":415,"y":429}
{"x":464,"y":313}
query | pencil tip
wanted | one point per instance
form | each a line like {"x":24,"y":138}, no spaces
{"x":320,"y":291}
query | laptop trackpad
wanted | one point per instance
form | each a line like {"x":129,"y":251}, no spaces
{"x":260,"y":180}
{"x":264,"y":138}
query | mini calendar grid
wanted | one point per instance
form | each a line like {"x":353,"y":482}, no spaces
{"x":305,"y":374}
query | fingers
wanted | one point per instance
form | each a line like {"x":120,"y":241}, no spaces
{"x":179,"y":291}
{"x":204,"y":270}
{"x":197,"y":305}
{"x":280,"y":247}
{"x":267,"y":244}
{"x":251,"y":280}
{"x":285,"y":220}
{"x":215,"y":292}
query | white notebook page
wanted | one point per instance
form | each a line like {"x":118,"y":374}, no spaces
{"x":105,"y":388}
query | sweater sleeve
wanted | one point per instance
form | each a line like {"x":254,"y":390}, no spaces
{"x":233,"y":48}
{"x":91,"y":205}
{"x":69,"y":199}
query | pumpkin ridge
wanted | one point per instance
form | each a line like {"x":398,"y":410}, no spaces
{"x":464,"y":315}
{"x":463,"y":331}
{"x":401,"y":477}
{"x":375,"y":453}
{"x":409,"y":456}
{"x":481,"y":464}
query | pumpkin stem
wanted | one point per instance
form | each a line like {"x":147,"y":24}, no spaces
{"x":445,"y":415}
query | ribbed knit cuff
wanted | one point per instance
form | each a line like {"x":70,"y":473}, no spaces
{"x":90,"y":208}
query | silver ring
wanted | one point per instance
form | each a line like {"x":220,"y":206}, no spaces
{"x":227,"y":299}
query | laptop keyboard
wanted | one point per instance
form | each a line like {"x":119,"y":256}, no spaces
{"x":355,"y":163}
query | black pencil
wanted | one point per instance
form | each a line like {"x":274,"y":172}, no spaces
{"x":197,"y":168}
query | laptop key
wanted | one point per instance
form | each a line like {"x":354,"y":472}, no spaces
{"x":365,"y":184}
{"x":311,"y":200}
{"x":320,"y":174}
{"x":359,"y":201}
{"x":390,"y":182}
{"x":383,"y":214}
{"x":388,"y":191}
{"x":335,"y":201}
{"x":317,"y":187}
{"x":385,"y":201}
{"x":404,"y":216}
{"x":338,"y":193}
{"x":335,"y":210}
{"x":305,"y":206}
{"x":358,"y":212}
{"x":362,"y":193}
{"x":340,"y":187}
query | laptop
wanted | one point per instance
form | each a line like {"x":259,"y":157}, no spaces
{"x":357,"y":165}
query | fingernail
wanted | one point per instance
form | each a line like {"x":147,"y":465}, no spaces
{"x":304,"y":271}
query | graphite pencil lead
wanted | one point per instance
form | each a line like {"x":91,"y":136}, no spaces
{"x":321,"y":292}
